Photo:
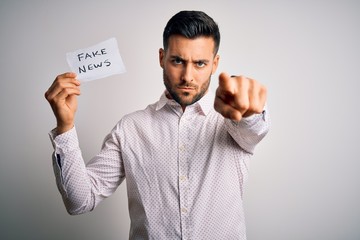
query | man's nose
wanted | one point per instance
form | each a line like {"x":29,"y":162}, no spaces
{"x":187,"y":74}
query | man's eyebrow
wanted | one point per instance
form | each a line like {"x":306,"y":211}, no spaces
{"x":184,"y":60}
{"x":177,"y":57}
{"x":202,"y":60}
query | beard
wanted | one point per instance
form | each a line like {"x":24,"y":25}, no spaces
{"x":185,"y":98}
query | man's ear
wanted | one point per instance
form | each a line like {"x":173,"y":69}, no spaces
{"x":215,"y":64}
{"x":161,"y":57}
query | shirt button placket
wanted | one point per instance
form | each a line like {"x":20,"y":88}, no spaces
{"x":183,"y":179}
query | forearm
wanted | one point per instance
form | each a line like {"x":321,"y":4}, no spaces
{"x":84,"y":186}
{"x":71,"y":175}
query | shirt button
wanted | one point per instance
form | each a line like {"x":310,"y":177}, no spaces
{"x":182,"y":178}
{"x":184,"y":210}
{"x":182,"y":147}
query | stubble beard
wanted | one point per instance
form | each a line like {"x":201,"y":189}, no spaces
{"x":184,"y":101}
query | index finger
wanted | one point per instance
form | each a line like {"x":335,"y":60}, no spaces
{"x":225,"y":83}
{"x":68,"y":77}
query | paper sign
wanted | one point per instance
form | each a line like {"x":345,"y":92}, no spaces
{"x":99,"y":61}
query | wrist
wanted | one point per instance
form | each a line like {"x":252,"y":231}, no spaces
{"x":61,"y":128}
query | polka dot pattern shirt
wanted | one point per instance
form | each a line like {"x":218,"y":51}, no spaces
{"x":185,"y":170}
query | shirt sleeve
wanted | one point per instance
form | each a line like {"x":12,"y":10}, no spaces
{"x":81,"y":185}
{"x":250,"y":130}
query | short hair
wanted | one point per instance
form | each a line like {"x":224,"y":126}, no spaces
{"x":192,"y":24}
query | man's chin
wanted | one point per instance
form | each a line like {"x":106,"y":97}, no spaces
{"x":187,"y":100}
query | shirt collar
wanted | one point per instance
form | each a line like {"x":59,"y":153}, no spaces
{"x":205,"y":103}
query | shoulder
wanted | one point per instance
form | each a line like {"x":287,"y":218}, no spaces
{"x":137,"y":117}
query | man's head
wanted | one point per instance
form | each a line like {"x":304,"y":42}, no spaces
{"x":192,"y":24}
{"x":189,"y":58}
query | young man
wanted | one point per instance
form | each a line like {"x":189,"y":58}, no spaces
{"x":185,"y":163}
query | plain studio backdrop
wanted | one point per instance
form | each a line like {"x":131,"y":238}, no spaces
{"x":304,"y":179}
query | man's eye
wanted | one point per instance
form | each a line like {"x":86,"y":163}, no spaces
{"x":177,"y":61}
{"x":200,"y":64}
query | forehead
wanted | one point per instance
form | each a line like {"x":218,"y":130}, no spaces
{"x":200,"y":47}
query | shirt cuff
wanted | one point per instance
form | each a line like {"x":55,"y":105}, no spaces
{"x":65,"y":142}
{"x":253,"y":119}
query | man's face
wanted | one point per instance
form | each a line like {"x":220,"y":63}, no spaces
{"x":187,"y":67}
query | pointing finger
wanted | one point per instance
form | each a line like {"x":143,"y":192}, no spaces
{"x":226,"y":109}
{"x":226,"y":84}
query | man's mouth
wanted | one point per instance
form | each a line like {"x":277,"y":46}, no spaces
{"x":186,"y":87}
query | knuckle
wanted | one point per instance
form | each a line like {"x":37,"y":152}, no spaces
{"x":257,"y":109}
{"x":244,"y":105}
{"x":48,"y":98}
{"x":67,"y":91}
{"x":57,"y":79}
{"x":242,"y":79}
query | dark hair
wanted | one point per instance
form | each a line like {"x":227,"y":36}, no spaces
{"x":192,"y":24}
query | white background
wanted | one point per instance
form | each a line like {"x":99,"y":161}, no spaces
{"x":304,"y":182}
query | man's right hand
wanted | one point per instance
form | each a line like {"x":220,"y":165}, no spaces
{"x":62,"y":96}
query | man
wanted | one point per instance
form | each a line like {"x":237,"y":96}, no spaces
{"x":185,"y":162}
